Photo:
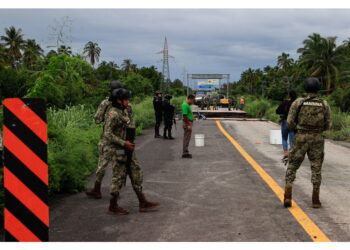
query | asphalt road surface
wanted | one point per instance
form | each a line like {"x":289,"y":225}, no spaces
{"x":216,"y":196}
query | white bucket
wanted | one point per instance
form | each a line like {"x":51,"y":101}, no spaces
{"x":199,"y":140}
{"x":275,"y":137}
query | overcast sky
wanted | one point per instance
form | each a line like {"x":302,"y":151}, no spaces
{"x":202,"y":41}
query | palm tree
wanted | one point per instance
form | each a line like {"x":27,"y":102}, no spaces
{"x":65,"y":50}
{"x":113,"y":65}
{"x":3,"y":55}
{"x":250,"y":77}
{"x":284,"y":62}
{"x":127,"y":65}
{"x":93,"y":52}
{"x":14,"y":44}
{"x":32,"y":53}
{"x":322,"y":58}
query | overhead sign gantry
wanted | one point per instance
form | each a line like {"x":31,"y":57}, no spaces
{"x":212,"y":80}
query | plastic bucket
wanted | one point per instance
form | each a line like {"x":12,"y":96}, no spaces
{"x":275,"y":137}
{"x":199,"y":140}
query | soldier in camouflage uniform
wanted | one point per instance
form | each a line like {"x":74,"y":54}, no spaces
{"x":99,"y":118}
{"x":113,"y":145}
{"x":203,"y":103}
{"x":135,"y":173}
{"x":309,"y":117}
{"x":207,"y":101}
{"x":215,"y":102}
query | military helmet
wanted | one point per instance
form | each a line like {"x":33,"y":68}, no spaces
{"x":120,"y":94}
{"x":312,"y":85}
{"x":115,"y":84}
{"x":168,"y":97}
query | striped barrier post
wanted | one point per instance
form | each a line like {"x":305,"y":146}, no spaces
{"x":26,"y":213}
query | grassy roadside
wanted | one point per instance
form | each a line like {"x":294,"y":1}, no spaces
{"x":73,"y":139}
{"x":263,"y":108}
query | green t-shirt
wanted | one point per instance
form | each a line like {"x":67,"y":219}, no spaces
{"x":186,"y":110}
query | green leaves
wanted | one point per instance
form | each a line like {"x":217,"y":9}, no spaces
{"x":61,"y":81}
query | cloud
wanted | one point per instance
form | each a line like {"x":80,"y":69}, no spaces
{"x":202,"y":40}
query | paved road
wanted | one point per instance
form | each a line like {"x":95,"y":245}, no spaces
{"x":216,"y":196}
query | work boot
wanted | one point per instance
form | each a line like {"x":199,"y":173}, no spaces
{"x":187,"y":156}
{"x":316,"y":198}
{"x":287,"y":202}
{"x":170,"y":136}
{"x":164,"y":135}
{"x":145,"y":205}
{"x":95,"y":192}
{"x":156,"y":132}
{"x":114,"y":208}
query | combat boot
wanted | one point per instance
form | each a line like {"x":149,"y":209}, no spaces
{"x":170,"y":136}
{"x":114,"y":208}
{"x":145,"y":205}
{"x":316,"y":198}
{"x":287,"y":202}
{"x":164,"y":135}
{"x":95,"y":192}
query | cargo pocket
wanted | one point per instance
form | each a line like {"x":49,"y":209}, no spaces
{"x":121,"y":156}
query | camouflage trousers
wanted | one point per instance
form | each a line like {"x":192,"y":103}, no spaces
{"x":313,"y":146}
{"x":109,"y":156}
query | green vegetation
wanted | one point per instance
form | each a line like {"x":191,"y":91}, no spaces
{"x":264,"y":108}
{"x":73,"y":86}
{"x":319,"y":57}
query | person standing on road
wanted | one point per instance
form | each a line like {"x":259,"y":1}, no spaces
{"x":157,"y":105}
{"x":135,"y":171}
{"x":168,"y":111}
{"x":283,"y":110}
{"x":241,"y":103}
{"x":99,"y":118}
{"x":113,"y":145}
{"x":309,"y":117}
{"x":230,"y":102}
{"x":187,"y":117}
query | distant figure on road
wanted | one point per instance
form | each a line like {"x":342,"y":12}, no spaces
{"x":188,"y":118}
{"x":241,"y":103}
{"x":309,"y":117}
{"x":231,"y":103}
{"x":169,"y":112}
{"x":157,"y":105}
{"x":283,"y":110}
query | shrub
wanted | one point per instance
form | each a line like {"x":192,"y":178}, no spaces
{"x":72,"y":148}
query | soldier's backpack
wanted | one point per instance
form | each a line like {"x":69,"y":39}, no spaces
{"x":313,"y":116}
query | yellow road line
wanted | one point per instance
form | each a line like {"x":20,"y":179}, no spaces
{"x":309,"y":226}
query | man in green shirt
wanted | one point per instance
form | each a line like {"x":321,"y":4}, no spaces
{"x":187,"y":117}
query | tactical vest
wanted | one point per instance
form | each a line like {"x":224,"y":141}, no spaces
{"x":311,"y":117}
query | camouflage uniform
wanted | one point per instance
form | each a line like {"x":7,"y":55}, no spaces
{"x":203,"y":103}
{"x":215,"y":101}
{"x":135,"y":172}
{"x":314,"y":118}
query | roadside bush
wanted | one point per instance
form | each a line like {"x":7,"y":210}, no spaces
{"x":340,"y":126}
{"x":263,"y":108}
{"x":258,"y":108}
{"x":72,"y":148}
{"x":143,"y":115}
